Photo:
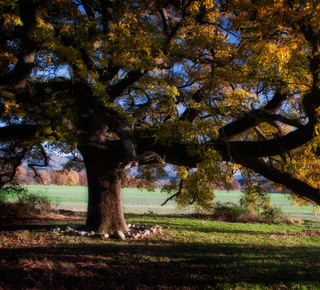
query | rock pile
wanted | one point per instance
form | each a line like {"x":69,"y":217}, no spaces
{"x":142,"y":231}
{"x":135,"y":232}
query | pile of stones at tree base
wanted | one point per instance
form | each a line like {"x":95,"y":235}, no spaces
{"x":135,"y":232}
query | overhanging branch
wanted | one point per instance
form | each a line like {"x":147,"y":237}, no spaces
{"x":297,"y":186}
{"x":187,"y":154}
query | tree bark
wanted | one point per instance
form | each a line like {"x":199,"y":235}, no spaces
{"x":105,"y":211}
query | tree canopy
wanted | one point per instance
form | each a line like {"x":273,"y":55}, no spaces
{"x":214,"y":85}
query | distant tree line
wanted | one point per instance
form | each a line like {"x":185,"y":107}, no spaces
{"x":27,"y":176}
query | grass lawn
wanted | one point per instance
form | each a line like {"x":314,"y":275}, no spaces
{"x":75,"y":197}
{"x":190,"y":253}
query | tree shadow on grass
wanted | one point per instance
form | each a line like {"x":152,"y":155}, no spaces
{"x":139,"y":264}
{"x":37,"y":225}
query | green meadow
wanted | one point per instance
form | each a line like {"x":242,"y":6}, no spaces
{"x":75,"y":198}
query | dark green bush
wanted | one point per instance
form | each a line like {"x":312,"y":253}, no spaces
{"x":273,"y":215}
{"x":229,"y":211}
{"x":232,"y":212}
{"x":8,"y":193}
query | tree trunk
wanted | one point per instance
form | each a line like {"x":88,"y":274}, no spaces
{"x":105,"y":212}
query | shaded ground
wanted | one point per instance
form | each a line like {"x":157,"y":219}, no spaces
{"x":189,"y":254}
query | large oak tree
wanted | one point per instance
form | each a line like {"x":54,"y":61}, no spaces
{"x":211,"y":85}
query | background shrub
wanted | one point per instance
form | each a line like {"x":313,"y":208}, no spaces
{"x":16,"y":201}
{"x":232,"y":212}
{"x":229,"y":211}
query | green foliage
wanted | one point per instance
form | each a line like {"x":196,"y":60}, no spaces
{"x":273,"y":215}
{"x":9,"y":192}
{"x":197,"y":191}
{"x":25,"y":204}
{"x":199,"y":184}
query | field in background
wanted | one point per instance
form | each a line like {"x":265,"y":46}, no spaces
{"x":75,"y":198}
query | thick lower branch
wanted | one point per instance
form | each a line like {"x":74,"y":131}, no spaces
{"x":270,"y":147}
{"x":247,"y":154}
{"x":180,"y":153}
